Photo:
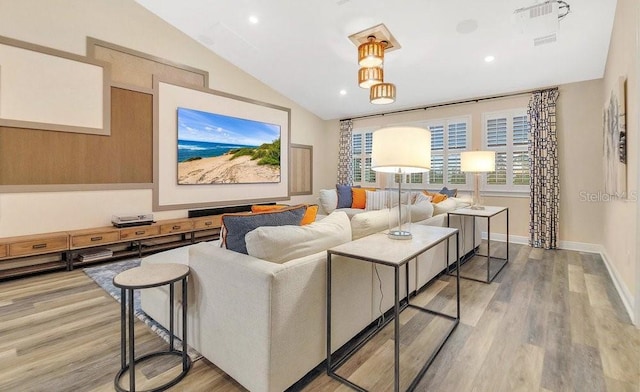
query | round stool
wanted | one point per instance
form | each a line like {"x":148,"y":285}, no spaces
{"x":143,"y":277}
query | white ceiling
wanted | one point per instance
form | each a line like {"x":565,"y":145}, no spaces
{"x":301,"y":49}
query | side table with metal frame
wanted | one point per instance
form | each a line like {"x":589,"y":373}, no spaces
{"x":488,"y":212}
{"x":379,"y":249}
{"x":144,"y":277}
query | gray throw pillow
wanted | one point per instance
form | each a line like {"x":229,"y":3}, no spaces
{"x":449,"y":192}
{"x":236,"y":226}
{"x":345,"y":197}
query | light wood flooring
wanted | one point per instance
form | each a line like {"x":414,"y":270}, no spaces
{"x":551,"y":321}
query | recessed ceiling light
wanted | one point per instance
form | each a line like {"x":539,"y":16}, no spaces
{"x":253,"y":19}
{"x":343,"y":92}
{"x":489,"y":58}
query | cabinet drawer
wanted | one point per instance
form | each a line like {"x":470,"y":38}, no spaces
{"x":139,"y":232}
{"x":90,"y":239}
{"x":176,"y":227}
{"x":40,"y":246}
{"x":3,"y":250}
{"x":211,"y":222}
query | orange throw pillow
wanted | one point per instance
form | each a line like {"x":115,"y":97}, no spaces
{"x":435,"y":197}
{"x":359,"y":198}
{"x":310,"y":214}
{"x":267,"y":207}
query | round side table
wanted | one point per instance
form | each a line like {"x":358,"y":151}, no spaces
{"x":143,"y":277}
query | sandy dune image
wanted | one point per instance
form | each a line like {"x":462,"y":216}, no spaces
{"x":224,"y":170}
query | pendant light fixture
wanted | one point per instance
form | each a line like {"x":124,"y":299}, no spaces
{"x":371,"y":53}
{"x":367,"y":77}
{"x":382,"y":93}
{"x":372,"y":44}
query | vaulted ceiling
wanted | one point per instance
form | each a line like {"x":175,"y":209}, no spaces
{"x":302,"y":50}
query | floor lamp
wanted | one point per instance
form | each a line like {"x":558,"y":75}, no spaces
{"x":401,"y":150}
{"x":477,"y":162}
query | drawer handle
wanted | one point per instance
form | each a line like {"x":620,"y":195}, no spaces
{"x":96,"y":238}
{"x":175,"y":227}
{"x":208,"y":223}
{"x":141,"y":232}
{"x":39,"y":246}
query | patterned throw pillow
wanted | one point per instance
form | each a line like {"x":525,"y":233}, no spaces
{"x":376,"y":200}
{"x":236,"y":226}
{"x":421,"y":197}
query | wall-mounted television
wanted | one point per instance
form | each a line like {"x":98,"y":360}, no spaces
{"x":218,"y":149}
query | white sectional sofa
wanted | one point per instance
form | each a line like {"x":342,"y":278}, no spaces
{"x":263,"y":322}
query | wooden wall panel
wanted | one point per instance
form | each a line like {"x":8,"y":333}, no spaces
{"x":137,"y":69}
{"x":36,"y":157}
{"x":301,"y":178}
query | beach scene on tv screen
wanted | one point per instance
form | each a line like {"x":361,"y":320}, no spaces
{"x":218,"y":149}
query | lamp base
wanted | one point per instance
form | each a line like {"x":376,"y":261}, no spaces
{"x":476,"y":207}
{"x":399,"y":235}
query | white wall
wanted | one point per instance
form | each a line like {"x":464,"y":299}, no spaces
{"x":622,"y":217}
{"x":64,"y":25}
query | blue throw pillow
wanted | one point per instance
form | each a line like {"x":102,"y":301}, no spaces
{"x":449,"y":192}
{"x":345,"y":198}
{"x":236,"y":226}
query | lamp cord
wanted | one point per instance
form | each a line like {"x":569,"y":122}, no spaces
{"x":381,"y":319}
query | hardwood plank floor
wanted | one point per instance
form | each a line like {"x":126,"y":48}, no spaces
{"x":551,"y":321}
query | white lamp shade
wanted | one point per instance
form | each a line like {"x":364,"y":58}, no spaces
{"x":478,"y":161}
{"x":401,"y":149}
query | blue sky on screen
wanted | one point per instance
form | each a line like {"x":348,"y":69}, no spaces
{"x":201,"y":126}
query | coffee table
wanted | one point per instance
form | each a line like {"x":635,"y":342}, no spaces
{"x":379,"y":249}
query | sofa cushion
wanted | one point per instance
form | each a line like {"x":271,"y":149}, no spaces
{"x":444,"y":206}
{"x":279,"y":244}
{"x":236,"y":226}
{"x":372,"y":222}
{"x":328,"y":200}
{"x":421,"y":211}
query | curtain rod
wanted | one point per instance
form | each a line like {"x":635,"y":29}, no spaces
{"x":473,"y":100}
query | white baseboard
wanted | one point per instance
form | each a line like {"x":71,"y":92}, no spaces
{"x":625,"y":294}
{"x":621,"y":288}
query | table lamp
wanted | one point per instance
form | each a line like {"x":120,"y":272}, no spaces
{"x":477,"y":162}
{"x":401,"y":150}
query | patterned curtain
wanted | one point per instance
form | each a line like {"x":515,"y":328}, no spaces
{"x":543,"y":157}
{"x":345,"y":156}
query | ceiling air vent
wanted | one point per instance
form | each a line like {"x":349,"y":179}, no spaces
{"x":538,"y":22}
{"x":538,"y":10}
{"x":547,"y":39}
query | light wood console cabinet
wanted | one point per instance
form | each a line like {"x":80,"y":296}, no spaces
{"x":24,"y":255}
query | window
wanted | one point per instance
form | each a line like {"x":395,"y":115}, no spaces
{"x":448,"y":139}
{"x":361,"y":143}
{"x":507,"y":133}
